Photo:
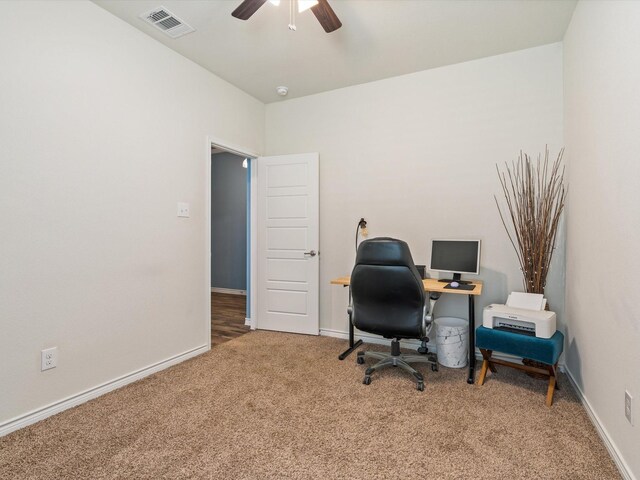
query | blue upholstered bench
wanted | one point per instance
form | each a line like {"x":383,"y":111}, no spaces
{"x":544,"y":350}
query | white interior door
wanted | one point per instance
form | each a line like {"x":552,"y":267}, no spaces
{"x":288,"y":242}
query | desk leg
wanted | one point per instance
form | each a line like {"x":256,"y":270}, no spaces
{"x":472,"y":341}
{"x":352,"y":345}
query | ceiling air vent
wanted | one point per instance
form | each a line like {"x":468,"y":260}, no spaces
{"x":164,"y":20}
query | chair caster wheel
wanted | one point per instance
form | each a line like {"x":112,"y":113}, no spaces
{"x":423,"y":350}
{"x":360,"y":359}
{"x":420,"y":386}
{"x":367,"y":380}
{"x":434,"y":367}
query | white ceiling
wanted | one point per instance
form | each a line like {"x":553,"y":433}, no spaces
{"x":378,"y":39}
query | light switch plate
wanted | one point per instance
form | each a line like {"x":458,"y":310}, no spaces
{"x":183,"y":209}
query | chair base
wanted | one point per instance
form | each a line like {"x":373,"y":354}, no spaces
{"x":397,"y":359}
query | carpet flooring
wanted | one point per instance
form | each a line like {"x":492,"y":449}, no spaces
{"x":280,"y":406}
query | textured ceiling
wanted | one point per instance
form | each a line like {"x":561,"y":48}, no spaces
{"x":378,"y":39}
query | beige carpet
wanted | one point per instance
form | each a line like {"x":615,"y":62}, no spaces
{"x":271,"y":405}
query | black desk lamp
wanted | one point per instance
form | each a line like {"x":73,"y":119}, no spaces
{"x":362,"y":230}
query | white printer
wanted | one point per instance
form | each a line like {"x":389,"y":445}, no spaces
{"x":523,"y":313}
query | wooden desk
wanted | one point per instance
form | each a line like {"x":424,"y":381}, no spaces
{"x":430,"y":285}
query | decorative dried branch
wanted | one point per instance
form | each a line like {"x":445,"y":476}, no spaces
{"x":535,"y":195}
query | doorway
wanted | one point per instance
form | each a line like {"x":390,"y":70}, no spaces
{"x":230,"y":245}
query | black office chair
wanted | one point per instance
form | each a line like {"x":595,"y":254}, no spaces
{"x":388,"y":299}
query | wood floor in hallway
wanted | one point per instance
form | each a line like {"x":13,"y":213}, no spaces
{"x":227,"y":317}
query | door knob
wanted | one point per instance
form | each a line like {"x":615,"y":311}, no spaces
{"x":311,"y":253}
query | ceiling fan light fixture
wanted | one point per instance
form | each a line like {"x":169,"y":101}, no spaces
{"x":320,"y":8}
{"x":304,"y":5}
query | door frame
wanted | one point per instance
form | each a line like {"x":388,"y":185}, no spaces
{"x":253,"y":223}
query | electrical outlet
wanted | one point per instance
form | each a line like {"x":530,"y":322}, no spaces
{"x":183,"y":209}
{"x":627,"y":406}
{"x":48,"y":358}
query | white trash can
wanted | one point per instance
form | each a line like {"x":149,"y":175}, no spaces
{"x":452,"y":341}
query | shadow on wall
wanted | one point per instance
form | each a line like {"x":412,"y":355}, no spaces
{"x":572,"y":359}
{"x":495,"y":290}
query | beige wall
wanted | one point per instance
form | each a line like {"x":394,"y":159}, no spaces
{"x":102,"y":131}
{"x":415,"y":155}
{"x":602,"y":131}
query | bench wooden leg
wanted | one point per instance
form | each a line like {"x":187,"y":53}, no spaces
{"x":552,"y":384}
{"x":555,"y":374}
{"x":486,"y":364}
{"x":486,"y":354}
{"x":483,"y":372}
{"x":492,"y":367}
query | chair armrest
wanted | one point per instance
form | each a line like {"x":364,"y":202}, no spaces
{"x":427,"y":321}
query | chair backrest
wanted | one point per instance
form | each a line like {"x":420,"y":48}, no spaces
{"x":387,"y":290}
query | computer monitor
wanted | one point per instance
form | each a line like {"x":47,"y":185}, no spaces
{"x":455,"y":256}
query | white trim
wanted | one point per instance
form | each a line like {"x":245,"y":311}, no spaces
{"x":247,"y":322}
{"x":615,"y":454}
{"x":371,"y":338}
{"x":376,"y":339}
{"x":229,"y":291}
{"x":207,"y":246}
{"x":91,"y":393}
{"x":230,"y":147}
{"x":253,"y":281}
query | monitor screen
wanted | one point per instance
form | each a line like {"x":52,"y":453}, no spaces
{"x":457,"y":256}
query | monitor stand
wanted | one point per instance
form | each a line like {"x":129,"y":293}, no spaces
{"x":456,"y":278}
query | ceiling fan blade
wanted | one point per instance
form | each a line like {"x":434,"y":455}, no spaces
{"x":247,"y":8}
{"x":326,"y":16}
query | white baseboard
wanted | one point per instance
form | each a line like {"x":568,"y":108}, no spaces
{"x":370,"y":338}
{"x":230,"y":291}
{"x":623,"y":467}
{"x":82,"y":397}
{"x":376,"y":339}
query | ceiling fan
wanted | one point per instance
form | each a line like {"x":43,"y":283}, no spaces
{"x":320,"y":8}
